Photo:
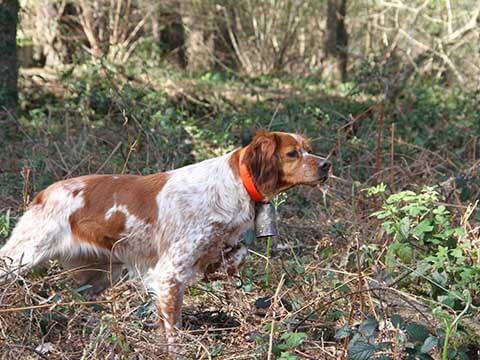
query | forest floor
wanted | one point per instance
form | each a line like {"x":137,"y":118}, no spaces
{"x":332,"y":285}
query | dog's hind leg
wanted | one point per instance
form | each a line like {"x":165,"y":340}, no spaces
{"x":93,"y":270}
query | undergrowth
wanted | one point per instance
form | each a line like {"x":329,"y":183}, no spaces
{"x":361,"y":270}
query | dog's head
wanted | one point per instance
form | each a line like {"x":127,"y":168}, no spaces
{"x":278,"y":161}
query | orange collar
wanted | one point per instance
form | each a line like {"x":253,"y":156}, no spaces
{"x":248,"y":181}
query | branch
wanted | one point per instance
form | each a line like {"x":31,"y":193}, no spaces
{"x":469,"y":26}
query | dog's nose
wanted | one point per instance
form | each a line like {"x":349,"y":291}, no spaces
{"x":324,"y":166}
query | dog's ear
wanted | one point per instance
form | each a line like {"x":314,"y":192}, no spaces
{"x":261,"y":158}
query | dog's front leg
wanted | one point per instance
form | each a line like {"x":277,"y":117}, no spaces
{"x":169,"y":305}
{"x":230,"y":263}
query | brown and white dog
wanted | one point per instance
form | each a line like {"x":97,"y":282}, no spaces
{"x":166,"y":228}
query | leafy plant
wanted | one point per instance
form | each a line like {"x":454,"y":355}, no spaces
{"x":362,"y":339}
{"x":424,"y":239}
{"x":424,"y":230}
{"x":367,"y":341}
{"x":5,"y":224}
{"x":285,"y":342}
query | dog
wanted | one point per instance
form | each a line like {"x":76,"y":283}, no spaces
{"x":168,"y":227}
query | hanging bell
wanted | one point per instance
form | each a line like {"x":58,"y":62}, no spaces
{"x":265,"y":220}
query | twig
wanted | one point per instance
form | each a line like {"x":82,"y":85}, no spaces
{"x":26,"y":186}
{"x":51,"y":306}
{"x":272,"y":325}
{"x":392,"y":154}
{"x":352,"y":293}
{"x":26,"y":347}
{"x":109,"y":157}
{"x":378,"y":149}
{"x":65,"y":166}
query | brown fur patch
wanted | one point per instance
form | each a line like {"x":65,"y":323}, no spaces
{"x":262,"y":160}
{"x":101,"y":193}
{"x":273,"y":169}
{"x":233,"y":162}
{"x":39,"y":198}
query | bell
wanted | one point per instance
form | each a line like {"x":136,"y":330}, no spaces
{"x":265,"y":220}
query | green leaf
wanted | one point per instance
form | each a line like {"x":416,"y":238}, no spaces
{"x":459,"y":231}
{"x":451,"y":353}
{"x":287,"y":356}
{"x":380,"y":214}
{"x":343,"y":332}
{"x":397,"y":321}
{"x":217,"y":350}
{"x":428,"y":345}
{"x":401,"y":196}
{"x":440,"y":278}
{"x":423,"y":227}
{"x":292,"y":340}
{"x":374,"y":190}
{"x":417,"y":332}
{"x":414,"y":210}
{"x":447,"y":300}
{"x":361,"y":351}
{"x":368,"y":327}
{"x":388,"y":226}
{"x":405,"y":227}
{"x":441,"y":210}
{"x":142,"y":311}
{"x":457,"y":253}
{"x":390,"y":257}
{"x":423,"y":267}
{"x":405,"y":253}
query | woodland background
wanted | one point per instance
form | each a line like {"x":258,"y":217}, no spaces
{"x":383,"y":263}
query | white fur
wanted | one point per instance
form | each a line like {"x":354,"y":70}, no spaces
{"x":210,"y":196}
{"x":44,"y":230}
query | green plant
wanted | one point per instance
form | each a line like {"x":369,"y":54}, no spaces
{"x":423,"y":229}
{"x":277,"y":202}
{"x":372,"y":339}
{"x":361,"y":344}
{"x":285,"y":342}
{"x":5,"y":224}
{"x":450,"y":327}
{"x":425,"y":240}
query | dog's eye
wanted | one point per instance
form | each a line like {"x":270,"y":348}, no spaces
{"x":293,"y":154}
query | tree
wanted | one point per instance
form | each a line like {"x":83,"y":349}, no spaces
{"x":46,"y":36}
{"x":8,"y":57}
{"x":337,"y":39}
{"x":197,"y":19}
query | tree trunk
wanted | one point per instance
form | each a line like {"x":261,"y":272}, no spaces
{"x":46,"y":37}
{"x":172,"y":38}
{"x":8,"y":57}
{"x":198,"y":28}
{"x":154,"y":9}
{"x":336,"y":41}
